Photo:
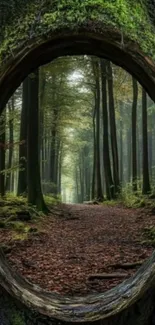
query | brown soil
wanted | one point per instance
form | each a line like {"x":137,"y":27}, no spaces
{"x":87,"y":240}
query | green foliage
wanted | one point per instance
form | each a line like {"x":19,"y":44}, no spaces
{"x":18,"y":226}
{"x":149,"y":235}
{"x":133,"y":201}
{"x":11,"y":206}
{"x":51,"y":200}
{"x":111,"y":202}
{"x":35,"y":20}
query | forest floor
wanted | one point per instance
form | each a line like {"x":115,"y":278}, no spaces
{"x":79,"y":241}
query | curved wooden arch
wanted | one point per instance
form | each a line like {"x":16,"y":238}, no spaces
{"x":121,"y":300}
{"x":95,"y":307}
{"x":106,"y":44}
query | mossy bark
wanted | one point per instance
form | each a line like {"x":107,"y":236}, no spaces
{"x":13,"y":312}
{"x":132,"y":302}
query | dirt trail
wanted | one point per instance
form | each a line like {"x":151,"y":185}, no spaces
{"x":86,"y":241}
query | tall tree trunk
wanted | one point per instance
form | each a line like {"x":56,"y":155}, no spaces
{"x":99,"y":192}
{"x":59,"y":170}
{"x":129,"y":155}
{"x":106,"y":154}
{"x":113,"y":129}
{"x":53,"y":152}
{"x":150,"y":149}
{"x":94,"y":157}
{"x":134,"y":134}
{"x":87,"y":173}
{"x":22,"y":178}
{"x":42,"y":83}
{"x":121,"y":143}
{"x":77,"y":184}
{"x":138,"y":155}
{"x":11,"y":111}
{"x":2,"y":154}
{"x":146,"y":182}
{"x":53,"y":160}
{"x":35,"y":195}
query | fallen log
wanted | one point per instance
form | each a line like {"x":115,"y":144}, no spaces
{"x":127,"y":266}
{"x":91,"y":202}
{"x":107,"y":276}
{"x":131,"y":302}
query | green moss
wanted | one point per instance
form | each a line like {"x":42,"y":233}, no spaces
{"x":17,"y":319}
{"x":149,"y":236}
{"x":128,"y":16}
{"x":50,"y":200}
{"x":18,"y":226}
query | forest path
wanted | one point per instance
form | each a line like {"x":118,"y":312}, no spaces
{"x":81,"y":240}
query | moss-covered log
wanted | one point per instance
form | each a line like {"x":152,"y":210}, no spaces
{"x":131,"y":302}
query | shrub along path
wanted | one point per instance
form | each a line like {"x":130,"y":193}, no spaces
{"x":79,"y":249}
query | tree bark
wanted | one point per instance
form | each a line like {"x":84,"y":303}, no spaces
{"x":121,"y":143}
{"x":22,"y":178}
{"x":113,"y":129}
{"x":129,"y":155}
{"x":134,"y":134}
{"x":2,"y":154}
{"x":35,"y":195}
{"x":99,"y":193}
{"x":132,"y":302}
{"x":94,"y":158}
{"x":8,"y":176}
{"x":146,"y":182}
{"x":106,"y":154}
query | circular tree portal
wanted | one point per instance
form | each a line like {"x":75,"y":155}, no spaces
{"x":32,"y":35}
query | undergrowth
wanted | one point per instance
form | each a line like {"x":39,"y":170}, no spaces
{"x":51,"y":200}
{"x":130,"y":199}
{"x":149,"y":235}
{"x":15,"y":212}
{"x":17,"y":215}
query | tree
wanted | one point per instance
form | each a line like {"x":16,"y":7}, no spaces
{"x":22,"y":177}
{"x":106,"y":153}
{"x":99,"y":193}
{"x":134,"y":135}
{"x":2,"y":154}
{"x":35,"y":195}
{"x":146,"y":182}
{"x":113,"y":134}
{"x":11,"y":139}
